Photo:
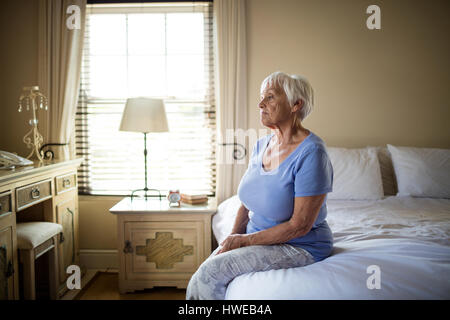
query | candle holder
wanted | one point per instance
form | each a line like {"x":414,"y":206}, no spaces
{"x":32,"y":99}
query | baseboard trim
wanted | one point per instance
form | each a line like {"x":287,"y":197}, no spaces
{"x":99,"y":259}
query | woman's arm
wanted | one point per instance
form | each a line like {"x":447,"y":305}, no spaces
{"x":240,"y":223}
{"x":306,"y":210}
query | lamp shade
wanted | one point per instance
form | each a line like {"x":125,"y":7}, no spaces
{"x":144,"y":115}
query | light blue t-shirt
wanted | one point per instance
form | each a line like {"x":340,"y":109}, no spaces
{"x":269,"y":195}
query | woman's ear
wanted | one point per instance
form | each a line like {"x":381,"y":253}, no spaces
{"x":297,"y":105}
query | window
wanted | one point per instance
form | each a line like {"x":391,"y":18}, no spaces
{"x":153,"y":50}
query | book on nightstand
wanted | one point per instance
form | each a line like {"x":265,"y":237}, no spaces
{"x":193,"y":198}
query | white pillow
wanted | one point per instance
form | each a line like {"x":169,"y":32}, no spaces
{"x":421,"y":172}
{"x":357,"y":174}
{"x":223,"y":220}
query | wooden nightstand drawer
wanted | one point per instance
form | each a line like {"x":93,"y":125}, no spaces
{"x":33,"y":193}
{"x":5,"y":203}
{"x":155,"y":248}
{"x":66,"y":183}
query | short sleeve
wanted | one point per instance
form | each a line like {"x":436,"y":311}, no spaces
{"x":314,"y":175}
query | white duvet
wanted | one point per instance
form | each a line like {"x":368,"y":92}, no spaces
{"x":406,"y":239}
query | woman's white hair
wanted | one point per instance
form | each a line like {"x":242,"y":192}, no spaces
{"x":296,"y":88}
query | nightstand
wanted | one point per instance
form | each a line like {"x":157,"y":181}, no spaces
{"x":160,"y":245}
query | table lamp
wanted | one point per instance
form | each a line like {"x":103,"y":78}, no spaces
{"x":144,"y":115}
{"x":33,"y":98}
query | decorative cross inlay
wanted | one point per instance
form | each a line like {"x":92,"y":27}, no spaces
{"x":164,"y":250}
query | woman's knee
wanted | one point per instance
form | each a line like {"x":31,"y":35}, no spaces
{"x":209,"y":270}
{"x":216,"y":269}
{"x":223,"y":267}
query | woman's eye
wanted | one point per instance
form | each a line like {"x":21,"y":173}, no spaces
{"x":266,"y":98}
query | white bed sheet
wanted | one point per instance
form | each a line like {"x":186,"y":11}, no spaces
{"x":407,"y":238}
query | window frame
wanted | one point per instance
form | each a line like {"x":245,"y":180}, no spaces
{"x":81,"y":126}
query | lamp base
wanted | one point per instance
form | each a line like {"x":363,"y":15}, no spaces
{"x":146,"y":195}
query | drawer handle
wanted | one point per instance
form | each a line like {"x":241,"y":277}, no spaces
{"x":66,"y":183}
{"x":1,"y":206}
{"x":35,"y":193}
{"x":128,"y":248}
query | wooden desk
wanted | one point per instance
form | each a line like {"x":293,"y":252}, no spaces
{"x":161,"y":245}
{"x":45,"y":191}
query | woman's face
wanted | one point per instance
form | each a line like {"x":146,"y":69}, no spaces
{"x":274,"y":107}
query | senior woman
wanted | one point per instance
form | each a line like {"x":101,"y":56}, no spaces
{"x":281,"y":221}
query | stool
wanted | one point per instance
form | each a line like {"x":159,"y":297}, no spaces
{"x":33,"y":240}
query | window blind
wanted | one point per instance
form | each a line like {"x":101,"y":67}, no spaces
{"x":154,"y":50}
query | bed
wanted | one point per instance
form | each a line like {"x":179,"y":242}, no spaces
{"x":389,"y":247}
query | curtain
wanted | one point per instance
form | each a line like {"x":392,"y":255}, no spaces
{"x":60,"y":44}
{"x":231,"y":91}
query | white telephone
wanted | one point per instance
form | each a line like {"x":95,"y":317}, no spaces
{"x":9,"y":160}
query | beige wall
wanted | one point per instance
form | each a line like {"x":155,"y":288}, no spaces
{"x":98,"y":227}
{"x":18,"y":68}
{"x":372,"y":87}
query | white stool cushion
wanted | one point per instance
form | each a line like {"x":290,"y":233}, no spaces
{"x":32,"y":234}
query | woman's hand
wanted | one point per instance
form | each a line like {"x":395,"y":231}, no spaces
{"x":234,"y":241}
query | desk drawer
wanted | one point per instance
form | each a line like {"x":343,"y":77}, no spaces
{"x":66,"y":182}
{"x":5,"y":203}
{"x":33,"y":193}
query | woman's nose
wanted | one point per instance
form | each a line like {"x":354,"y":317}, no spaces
{"x":261,"y":104}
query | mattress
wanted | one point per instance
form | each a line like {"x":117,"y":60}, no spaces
{"x":403,"y":241}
